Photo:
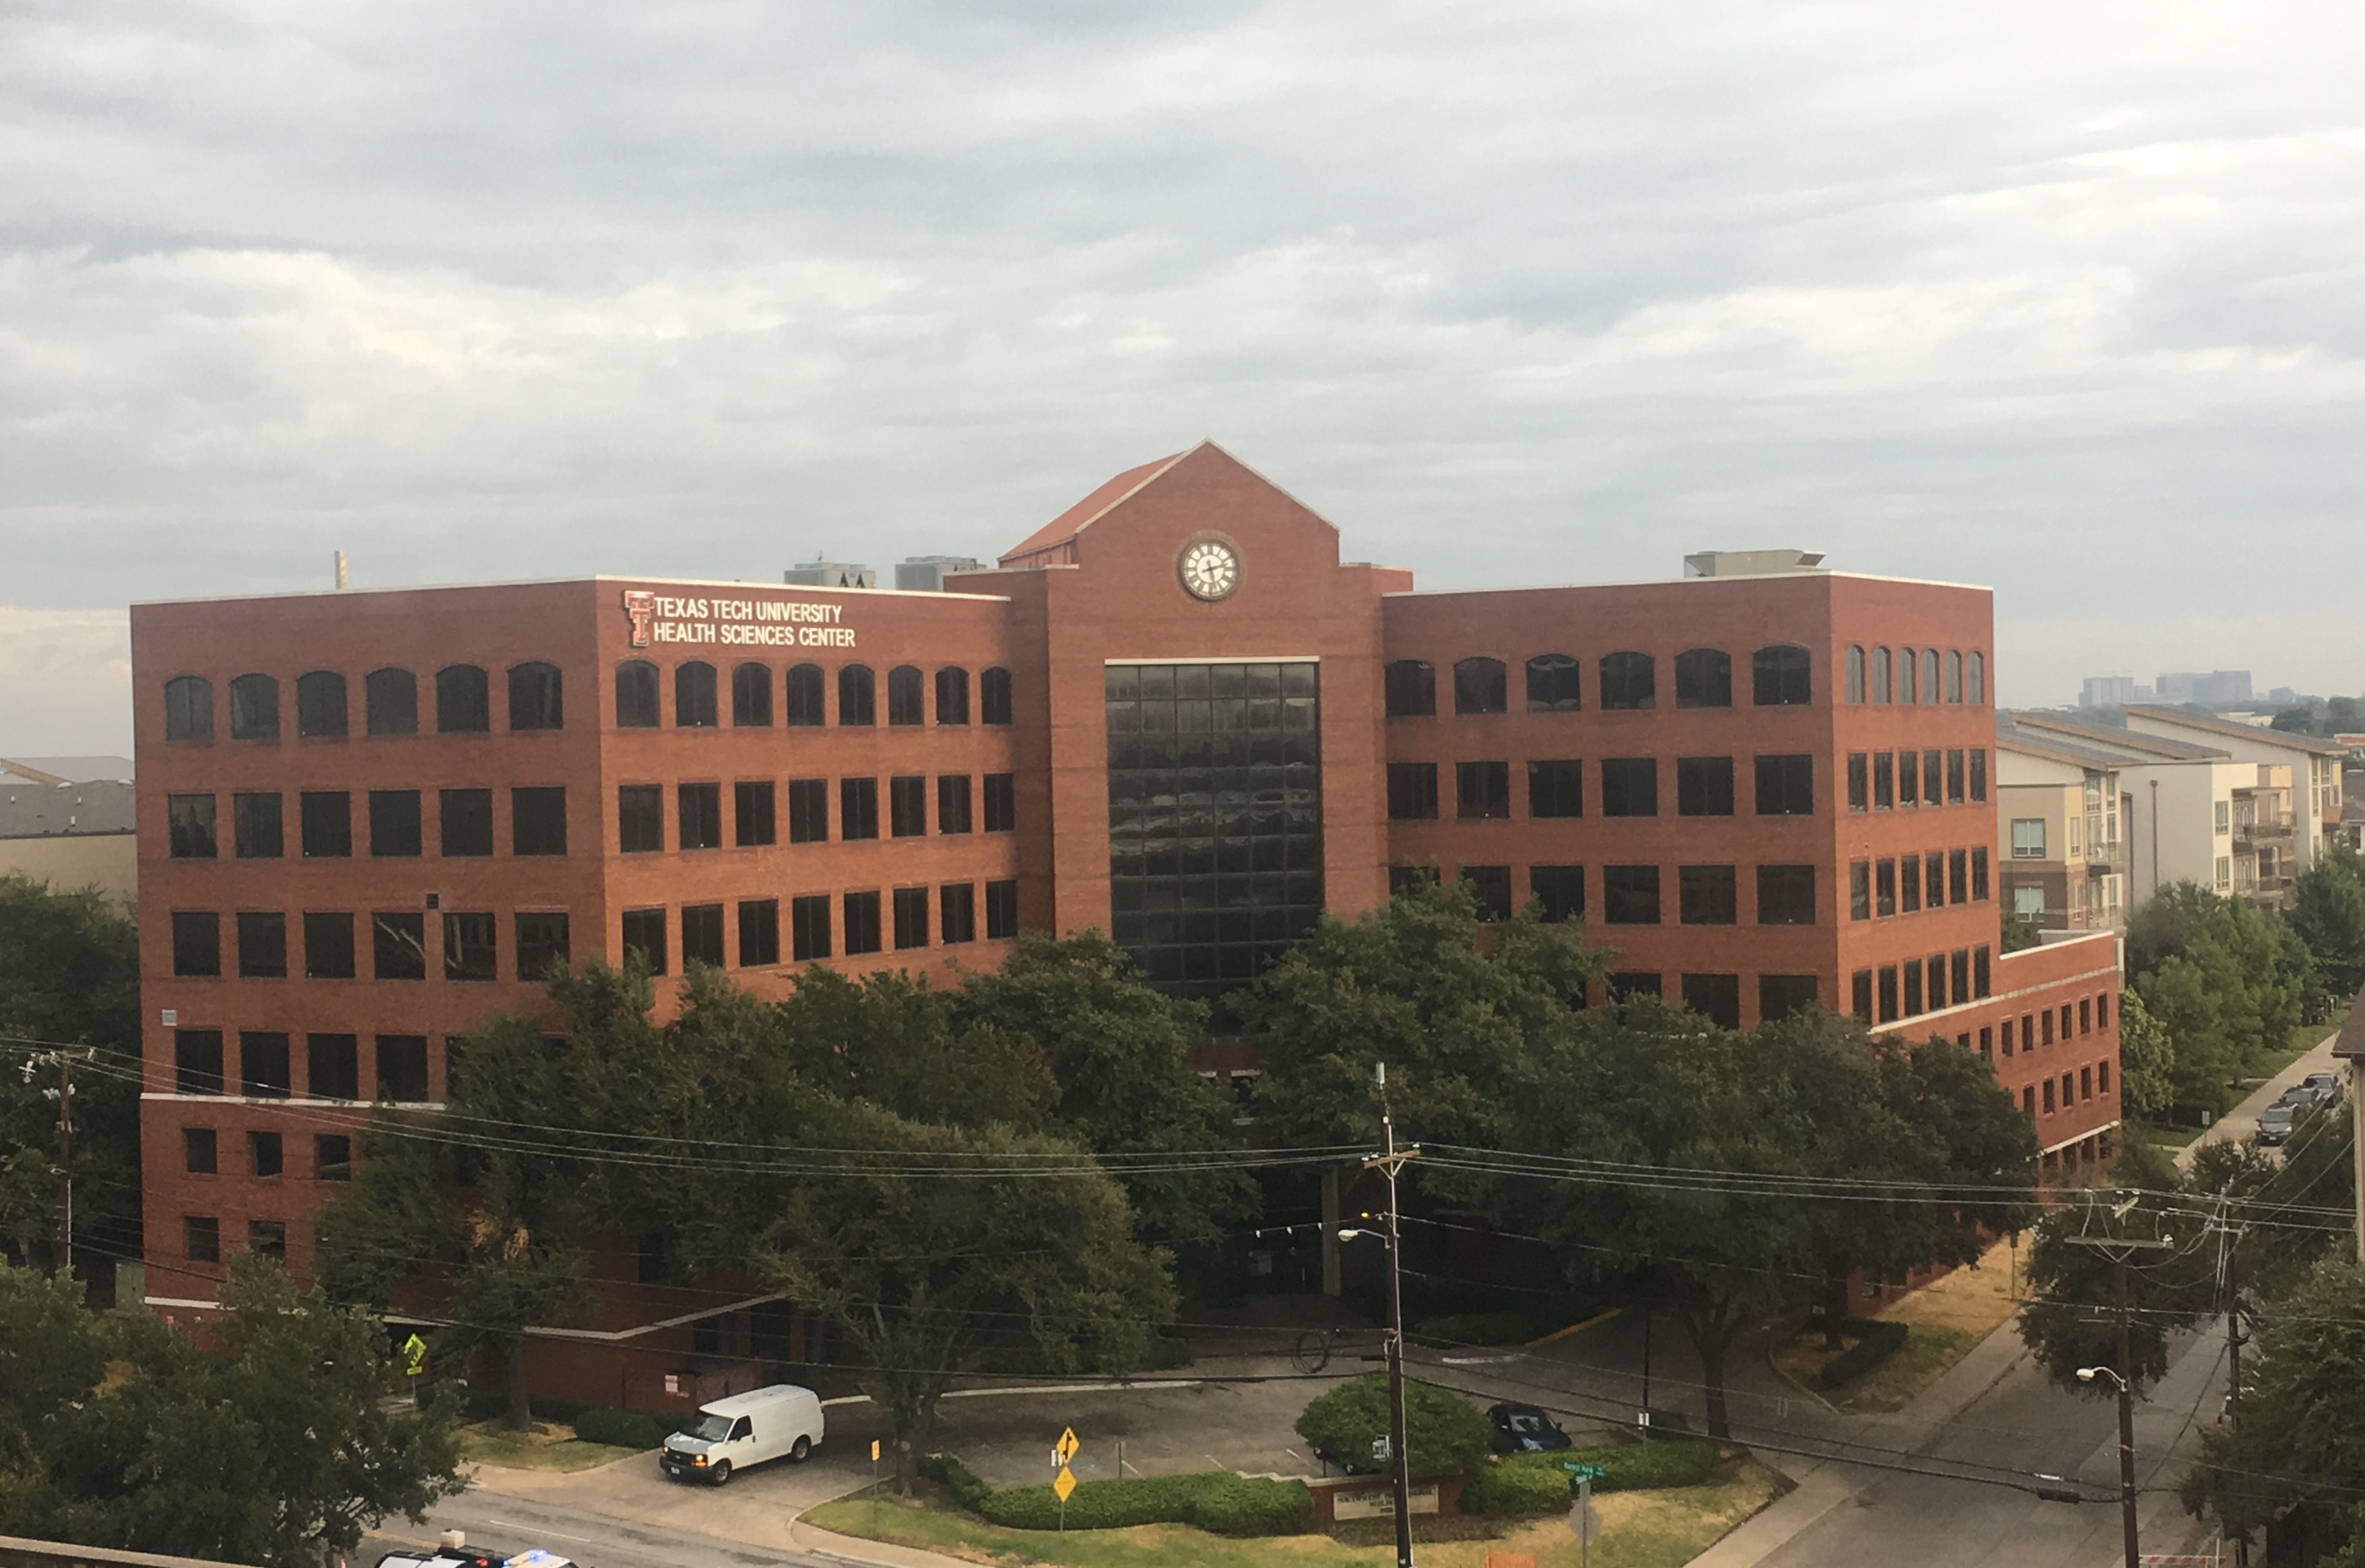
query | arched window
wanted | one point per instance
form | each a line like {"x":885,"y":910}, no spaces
{"x":993,"y":695}
{"x":1480,"y":686}
{"x":952,"y":695}
{"x":1954,"y":676}
{"x":188,"y":708}
{"x":1880,"y":675}
{"x":636,"y":696}
{"x":1781,"y":677}
{"x":904,"y":695}
{"x":1909,"y":684}
{"x":1929,"y":675}
{"x":1629,"y":681}
{"x":320,"y":703}
{"x":857,"y":695}
{"x":463,"y":701}
{"x":803,"y":690}
{"x":537,"y":702}
{"x":1975,"y":677}
{"x":390,"y":701}
{"x":751,"y":697}
{"x":693,"y":696}
{"x":1555,"y":684}
{"x":1855,"y":675}
{"x":1703,"y":679}
{"x":254,"y":707}
{"x":1412,"y":690}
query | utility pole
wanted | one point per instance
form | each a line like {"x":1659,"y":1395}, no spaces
{"x":63,"y":1094}
{"x":2123,"y":1375}
{"x":1388,"y":1163}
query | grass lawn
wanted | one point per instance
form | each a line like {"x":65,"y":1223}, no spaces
{"x":1640,"y":1530}
{"x":2303,"y":1039}
{"x":548,"y":1447}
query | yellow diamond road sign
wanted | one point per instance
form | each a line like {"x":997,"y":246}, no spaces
{"x":1067,"y":1445}
{"x":414,"y":1355}
{"x":1064,"y":1484}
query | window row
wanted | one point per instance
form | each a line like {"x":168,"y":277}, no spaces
{"x":1717,"y":997}
{"x":1882,"y":781}
{"x":201,"y":1239}
{"x":464,"y":703}
{"x":1631,"y":895}
{"x":1779,"y":676}
{"x":327,"y":944}
{"x":802,"y":692}
{"x":332,"y":1067}
{"x":2084,"y":1085}
{"x":1907,"y":884}
{"x":266,"y":1153}
{"x":1911,"y":676}
{"x":1629,"y":787}
{"x":1923,"y":985}
{"x":394,"y":820}
{"x":698,"y":811}
{"x":821,"y":926}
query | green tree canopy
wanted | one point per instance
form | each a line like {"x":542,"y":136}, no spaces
{"x":1444,"y":1433}
{"x":2071,"y":1321}
{"x":2225,"y":982}
{"x":2328,"y":916}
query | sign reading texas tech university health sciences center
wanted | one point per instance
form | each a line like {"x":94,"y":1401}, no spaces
{"x":736,"y":623}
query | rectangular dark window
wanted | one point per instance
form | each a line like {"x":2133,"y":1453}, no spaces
{"x":466,"y":817}
{"x":808,"y":811}
{"x":1959,"y":963}
{"x":399,"y":946}
{"x":644,"y":935}
{"x":394,"y":823}
{"x":1934,"y":878}
{"x":332,"y":1157}
{"x":196,"y":942}
{"x":328,"y":819}
{"x":1000,"y":910}
{"x":1937,"y":984}
{"x":1884,"y":901}
{"x":1633,"y":985}
{"x":201,"y":1151}
{"x":402,"y":1069}
{"x":1558,"y":892}
{"x":751,"y":812}
{"x":1859,"y":781}
{"x":1934,"y":778}
{"x":911,"y":905}
{"x":332,"y":1067}
{"x":1955,"y":777}
{"x":864,"y":932}
{"x":1630,"y":787}
{"x":1959,"y":875}
{"x":543,"y":942}
{"x":390,"y":699}
{"x":952,"y":802}
{"x":1629,"y":895}
{"x":1979,"y":874}
{"x":905,"y":703}
{"x":1982,"y":982}
{"x":702,"y":934}
{"x":952,"y":695}
{"x":1409,"y":687}
{"x":1482,"y":790}
{"x":695,"y":704}
{"x":697,"y":820}
{"x":268,"y":1238}
{"x":640,"y":818}
{"x":1887,"y":993}
{"x":1557,"y":789}
{"x":1001,"y":802}
{"x":1716,"y":998}
{"x":1978,"y":773}
{"x":1859,"y":889}
{"x":1909,"y":778}
{"x":327,"y":947}
{"x":907,"y":806}
{"x":759,"y":933}
{"x":1884,"y":781}
{"x":262,"y":1065}
{"x":993,"y":694}
{"x":538,"y":821}
{"x":1412,"y":791}
{"x":1913,"y":989}
{"x":809,"y":928}
{"x":471,"y":947}
{"x":1785,"y":895}
{"x":256,"y":833}
{"x":857,"y":809}
{"x":201,"y":1239}
{"x":1909,"y":884}
{"x":1860,"y":995}
{"x":956,"y":914}
{"x":1778,"y":996}
{"x":1491,"y":885}
{"x":262,"y":945}
{"x":1785,"y":786}
{"x":1705,"y":895}
{"x":1703,"y":787}
{"x":189,"y":824}
{"x":197,"y":1061}
{"x":266,"y":1155}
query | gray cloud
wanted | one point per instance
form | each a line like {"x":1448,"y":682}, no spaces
{"x":2060,"y":299}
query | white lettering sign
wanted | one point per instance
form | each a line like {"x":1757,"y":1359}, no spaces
{"x":736,"y":623}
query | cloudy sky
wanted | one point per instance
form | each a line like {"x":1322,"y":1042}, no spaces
{"x":2063,"y":299}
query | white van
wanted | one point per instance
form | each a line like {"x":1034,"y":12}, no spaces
{"x":782,"y":1421}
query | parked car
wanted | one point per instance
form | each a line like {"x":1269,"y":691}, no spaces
{"x":2326,"y":1085}
{"x":1523,"y":1429}
{"x":780,"y":1422}
{"x":2275,"y":1125}
{"x":455,"y":1552}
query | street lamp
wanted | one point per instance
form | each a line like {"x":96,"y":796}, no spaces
{"x":2126,"y":1445}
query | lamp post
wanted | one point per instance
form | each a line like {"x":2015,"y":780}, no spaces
{"x":2126,"y":1438}
{"x":1388,"y":1163}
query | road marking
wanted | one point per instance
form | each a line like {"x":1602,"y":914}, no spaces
{"x":1045,"y":1388}
{"x":1575,"y":1328}
{"x":512,"y":1524}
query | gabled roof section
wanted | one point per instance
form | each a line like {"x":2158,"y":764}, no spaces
{"x":1053,"y":543}
{"x":2134,"y":749}
{"x":2078,"y":751}
{"x":2210,"y":724}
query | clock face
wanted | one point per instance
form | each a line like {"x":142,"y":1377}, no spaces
{"x":1209,"y":569}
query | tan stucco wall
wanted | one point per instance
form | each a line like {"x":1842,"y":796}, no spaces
{"x":110,"y":862}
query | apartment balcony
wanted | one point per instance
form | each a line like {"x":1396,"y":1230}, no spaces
{"x":2263,"y":831}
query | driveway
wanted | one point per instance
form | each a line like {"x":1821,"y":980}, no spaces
{"x":2239,"y":1123}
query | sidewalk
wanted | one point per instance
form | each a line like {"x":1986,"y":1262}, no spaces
{"x":2243,"y":1120}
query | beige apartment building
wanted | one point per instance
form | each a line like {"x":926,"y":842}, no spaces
{"x":2064,"y":858}
{"x":2307,"y":766}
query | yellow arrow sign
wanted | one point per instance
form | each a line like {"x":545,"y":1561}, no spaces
{"x":1067,"y":1446}
{"x":414,"y":1356}
{"x":1063,"y":1485}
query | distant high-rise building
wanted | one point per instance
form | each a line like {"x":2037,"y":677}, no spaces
{"x":2217,"y":686}
{"x":2112,"y":691}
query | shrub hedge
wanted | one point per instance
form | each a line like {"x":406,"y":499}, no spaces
{"x":1443,"y":1431}
{"x":1517,"y":1483}
{"x":955,"y":1478}
{"x":1539,"y":1483}
{"x":1642,"y":1467}
{"x":1882,"y":1338}
{"x":626,"y":1428}
{"x":1216,"y":1501}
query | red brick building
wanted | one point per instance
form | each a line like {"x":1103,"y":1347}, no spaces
{"x":368,"y":820}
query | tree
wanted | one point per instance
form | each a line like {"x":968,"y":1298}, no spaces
{"x":2328,"y":916}
{"x":2147,"y":1059}
{"x":2294,"y":721}
{"x":2020,"y":932}
{"x":1444,"y":1433}
{"x":2222,"y":979}
{"x":277,"y":1451}
{"x":2072,"y":1320}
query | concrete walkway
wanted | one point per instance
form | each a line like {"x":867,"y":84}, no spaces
{"x":2242,"y":1121}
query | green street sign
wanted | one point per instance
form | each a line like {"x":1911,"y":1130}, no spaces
{"x":1583,"y":1471}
